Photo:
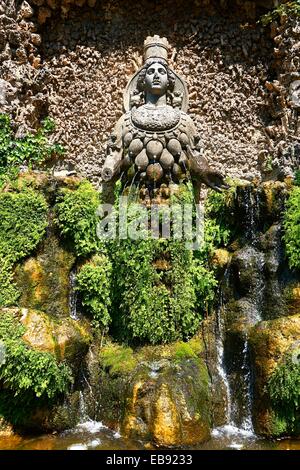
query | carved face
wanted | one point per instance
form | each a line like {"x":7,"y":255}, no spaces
{"x":156,"y":79}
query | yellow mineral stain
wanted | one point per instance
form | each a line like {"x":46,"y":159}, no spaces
{"x":38,"y":331}
{"x":166,"y":425}
{"x":220,"y":258}
{"x":130,"y":423}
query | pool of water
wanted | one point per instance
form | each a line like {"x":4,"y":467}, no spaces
{"x":93,"y":435}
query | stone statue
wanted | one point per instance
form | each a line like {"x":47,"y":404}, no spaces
{"x":155,"y":141}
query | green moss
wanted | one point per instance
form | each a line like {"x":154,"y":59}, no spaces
{"x":291,"y":224}
{"x":161,"y":289}
{"x":76,"y":217}
{"x":118,"y":359}
{"x":9,"y":293}
{"x":43,"y":281}
{"x":23,"y":222}
{"x":184,"y":351}
{"x":93,"y":282}
{"x":297,"y":178}
{"x":29,"y":377}
{"x":279,"y":426}
{"x":284,"y":389}
{"x":219,"y":226}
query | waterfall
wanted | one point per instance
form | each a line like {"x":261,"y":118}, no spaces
{"x":245,"y":294}
{"x":234,"y":426}
{"x":220,"y":333}
{"x":249,"y":203}
{"x":233,"y":409}
{"x":247,"y":421}
{"x":85,"y":422}
{"x":82,"y":411}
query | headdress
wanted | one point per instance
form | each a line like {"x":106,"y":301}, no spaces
{"x":156,"y":47}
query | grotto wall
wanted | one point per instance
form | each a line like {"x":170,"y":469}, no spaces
{"x":71,"y":60}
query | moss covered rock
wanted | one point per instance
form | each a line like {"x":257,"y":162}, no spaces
{"x":43,"y":281}
{"x":292,"y":298}
{"x":271,"y":341}
{"x":164,"y":392}
{"x":66,"y":339}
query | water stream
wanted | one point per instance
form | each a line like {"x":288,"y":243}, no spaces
{"x":233,"y":359}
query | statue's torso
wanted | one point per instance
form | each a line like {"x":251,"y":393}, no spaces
{"x":163,"y":122}
{"x":155,"y":141}
{"x":155,"y":119}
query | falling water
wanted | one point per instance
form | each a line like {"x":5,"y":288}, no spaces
{"x":247,"y":421}
{"x":234,"y":368}
{"x":232,"y":431}
{"x":251,"y":209}
{"x":220,"y":333}
{"x":131,"y":184}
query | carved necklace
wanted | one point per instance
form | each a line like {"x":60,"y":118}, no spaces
{"x":155,"y":119}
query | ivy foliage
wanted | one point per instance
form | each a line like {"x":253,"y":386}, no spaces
{"x":291,"y":224}
{"x":94,"y":285}
{"x":284,"y":389}
{"x":30,"y":150}
{"x":219,"y":220}
{"x":28,"y":377}
{"x":23,"y":222}
{"x":76,"y":218}
{"x":147,"y":290}
{"x":160,"y":288}
{"x":152,"y":304}
{"x":288,"y":8}
{"x":297,"y":178}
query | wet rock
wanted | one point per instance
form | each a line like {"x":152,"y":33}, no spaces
{"x":169,"y":405}
{"x":67,"y":340}
{"x":291,"y":296}
{"x":269,"y":342}
{"x":36,"y":39}
{"x":159,"y":394}
{"x":6,"y":430}
{"x":43,"y":281}
{"x":58,"y":418}
{"x":220,"y":259}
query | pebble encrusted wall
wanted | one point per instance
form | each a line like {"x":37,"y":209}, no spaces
{"x":71,"y":60}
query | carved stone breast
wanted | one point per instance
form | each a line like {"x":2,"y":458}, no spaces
{"x":155,"y":119}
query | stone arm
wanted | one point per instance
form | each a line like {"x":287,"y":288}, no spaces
{"x":199,"y":168}
{"x":114,"y":152}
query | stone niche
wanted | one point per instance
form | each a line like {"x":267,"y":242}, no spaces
{"x":74,"y":58}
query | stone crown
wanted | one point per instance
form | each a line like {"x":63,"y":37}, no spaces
{"x":155,"y":46}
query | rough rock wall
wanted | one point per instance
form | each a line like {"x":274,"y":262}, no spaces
{"x":22,"y":85}
{"x":73,"y":60}
{"x":284,"y":105}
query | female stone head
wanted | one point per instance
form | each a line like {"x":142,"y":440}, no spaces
{"x":156,"y":77}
